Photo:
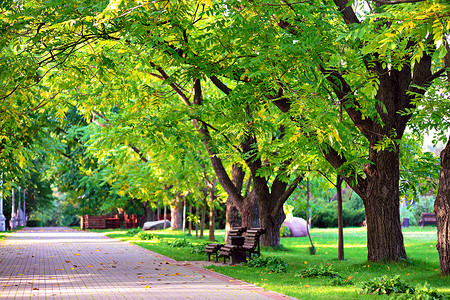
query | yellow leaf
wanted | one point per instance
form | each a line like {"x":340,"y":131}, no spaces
{"x":147,"y":287}
{"x":77,"y":254}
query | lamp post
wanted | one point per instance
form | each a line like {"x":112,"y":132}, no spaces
{"x":13,"y":221}
{"x":2,"y":216}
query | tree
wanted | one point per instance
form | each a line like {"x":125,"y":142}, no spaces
{"x":375,"y":77}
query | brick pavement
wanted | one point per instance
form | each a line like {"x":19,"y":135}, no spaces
{"x":61,"y":263}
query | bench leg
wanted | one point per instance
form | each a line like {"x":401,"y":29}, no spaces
{"x":217,"y":257}
{"x":209,"y":256}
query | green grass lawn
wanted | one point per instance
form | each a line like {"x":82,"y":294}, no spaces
{"x":422,"y":266}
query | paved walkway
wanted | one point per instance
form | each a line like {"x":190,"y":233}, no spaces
{"x":61,"y":263}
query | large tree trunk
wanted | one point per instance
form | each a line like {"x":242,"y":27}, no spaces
{"x":148,"y":213}
{"x":271,"y":217}
{"x":381,"y":200}
{"x":271,"y":238}
{"x":442,"y":210}
{"x":177,"y":213}
{"x":233,"y":217}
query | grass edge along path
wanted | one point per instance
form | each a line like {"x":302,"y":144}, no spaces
{"x":421,"y":268}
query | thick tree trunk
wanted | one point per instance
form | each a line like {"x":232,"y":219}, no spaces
{"x":233,"y":217}
{"x":272,"y":225}
{"x":269,"y":219}
{"x":177,"y":213}
{"x":148,"y":212}
{"x":381,"y":201}
{"x":249,"y":212}
{"x":442,"y":210}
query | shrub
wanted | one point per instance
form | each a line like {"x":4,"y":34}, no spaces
{"x":284,"y":231}
{"x":386,"y":285}
{"x":422,"y":292}
{"x":147,"y":236}
{"x":134,"y":231}
{"x":274,"y":264}
{"x":327,"y":216}
{"x":319,"y":271}
{"x":179,"y":243}
{"x":339,"y":281}
{"x":34,"y":223}
{"x":198,"y":248}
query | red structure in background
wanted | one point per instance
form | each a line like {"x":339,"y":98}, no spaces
{"x":130,"y":221}
{"x":107,"y":222}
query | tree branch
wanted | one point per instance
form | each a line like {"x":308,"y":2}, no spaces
{"x":165,"y":76}
{"x":283,"y":198}
{"x":344,"y":93}
{"x":218,"y":83}
{"x":347,"y":12}
{"x":434,"y":76}
{"x":216,"y":162}
{"x":142,"y":157}
{"x":337,"y":161}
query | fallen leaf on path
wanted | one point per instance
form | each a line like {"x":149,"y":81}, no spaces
{"x":35,"y":289}
{"x":147,"y":287}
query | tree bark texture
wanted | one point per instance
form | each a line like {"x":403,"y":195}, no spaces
{"x":271,"y":216}
{"x":149,"y":214}
{"x":233,"y":217}
{"x":381,"y":200}
{"x":442,"y":211}
{"x":177,"y":213}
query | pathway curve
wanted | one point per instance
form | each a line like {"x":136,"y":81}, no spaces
{"x":62,"y":263}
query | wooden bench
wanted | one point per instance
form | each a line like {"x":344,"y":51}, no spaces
{"x":427,"y":218}
{"x":250,"y":246}
{"x":214,"y":248}
{"x":93,"y":222}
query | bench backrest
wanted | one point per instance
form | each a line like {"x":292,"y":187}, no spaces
{"x":237,"y":231}
{"x":252,"y":237}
